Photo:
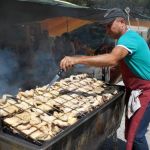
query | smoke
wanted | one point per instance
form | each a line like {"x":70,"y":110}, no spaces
{"x":25,"y":61}
{"x":26,"y":68}
{"x":44,"y":65}
{"x":8,"y":71}
{"x":29,"y":57}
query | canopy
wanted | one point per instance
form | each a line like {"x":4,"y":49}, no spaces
{"x":21,"y":11}
{"x":25,"y":11}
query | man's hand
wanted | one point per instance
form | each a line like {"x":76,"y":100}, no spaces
{"x":67,"y":62}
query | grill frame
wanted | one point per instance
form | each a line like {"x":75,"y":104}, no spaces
{"x":82,"y":135}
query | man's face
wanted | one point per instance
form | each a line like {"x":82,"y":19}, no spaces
{"x":113,"y":29}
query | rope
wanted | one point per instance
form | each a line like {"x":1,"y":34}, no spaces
{"x":127,"y":10}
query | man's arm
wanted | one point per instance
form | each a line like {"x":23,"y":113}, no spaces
{"x":103,"y":60}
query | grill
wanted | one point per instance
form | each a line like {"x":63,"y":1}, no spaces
{"x":95,"y":110}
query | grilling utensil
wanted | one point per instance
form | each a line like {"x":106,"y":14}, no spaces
{"x":57,"y":77}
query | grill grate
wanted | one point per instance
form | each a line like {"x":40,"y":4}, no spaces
{"x":73,"y":95}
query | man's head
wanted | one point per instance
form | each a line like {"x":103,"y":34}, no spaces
{"x":115,"y":22}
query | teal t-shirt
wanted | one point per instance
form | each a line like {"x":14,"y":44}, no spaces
{"x":138,"y":59}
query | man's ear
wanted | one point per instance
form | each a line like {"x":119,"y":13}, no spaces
{"x":123,"y":20}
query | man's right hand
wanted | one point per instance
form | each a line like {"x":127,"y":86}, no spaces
{"x":67,"y":62}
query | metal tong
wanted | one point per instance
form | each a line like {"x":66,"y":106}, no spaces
{"x":57,"y":77}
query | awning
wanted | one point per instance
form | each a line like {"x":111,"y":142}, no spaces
{"x":22,"y":11}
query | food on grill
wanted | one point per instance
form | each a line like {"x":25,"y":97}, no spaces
{"x":22,"y":105}
{"x":29,"y":130}
{"x":44,"y":107}
{"x":13,"y":121}
{"x":61,"y":123}
{"x":66,"y":110}
{"x":47,"y":95}
{"x":25,"y":117}
{"x":107,"y":96}
{"x":38,"y":126}
{"x":38,"y":135}
{"x":4,"y":105}
{"x":2,"y":101}
{"x":24,"y":127}
{"x":60,"y":100}
{"x":98,"y":101}
{"x":35,"y":111}
{"x":26,"y":93}
{"x":6,"y":101}
{"x":43,"y":112}
{"x":72,"y":120}
{"x":35,"y":120}
{"x":3,"y":112}
{"x":11,"y":109}
{"x":47,"y":118}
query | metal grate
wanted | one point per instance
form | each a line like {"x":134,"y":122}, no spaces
{"x":75,"y":95}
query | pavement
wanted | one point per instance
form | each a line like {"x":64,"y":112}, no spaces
{"x":108,"y":145}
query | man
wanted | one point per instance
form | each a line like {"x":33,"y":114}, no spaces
{"x":132,"y":54}
{"x":148,"y":37}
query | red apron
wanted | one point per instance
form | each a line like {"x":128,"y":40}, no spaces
{"x":133,"y":83}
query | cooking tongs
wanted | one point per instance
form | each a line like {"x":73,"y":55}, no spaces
{"x":57,"y":77}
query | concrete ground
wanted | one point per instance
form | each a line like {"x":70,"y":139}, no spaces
{"x":108,"y":145}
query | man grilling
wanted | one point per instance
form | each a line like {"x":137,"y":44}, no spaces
{"x":133,"y":55}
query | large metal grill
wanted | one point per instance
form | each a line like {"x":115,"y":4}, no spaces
{"x":69,"y":115}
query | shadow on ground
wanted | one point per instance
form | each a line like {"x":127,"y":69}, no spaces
{"x":109,"y":144}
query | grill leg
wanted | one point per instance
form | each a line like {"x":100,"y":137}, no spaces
{"x":115,"y":141}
